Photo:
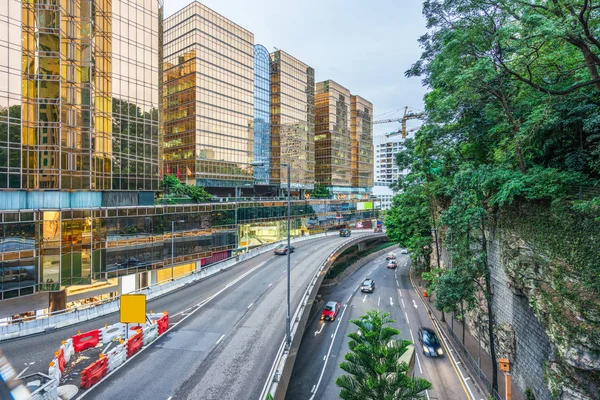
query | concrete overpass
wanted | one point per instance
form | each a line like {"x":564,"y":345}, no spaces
{"x":226,"y":331}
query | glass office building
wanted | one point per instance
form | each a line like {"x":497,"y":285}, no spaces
{"x":362,"y":143}
{"x":208,"y":99}
{"x":262,"y":114}
{"x":292,"y":121}
{"x":333,"y":144}
{"x":79,"y":130}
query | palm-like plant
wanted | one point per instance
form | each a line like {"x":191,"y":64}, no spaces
{"x":373,"y":363}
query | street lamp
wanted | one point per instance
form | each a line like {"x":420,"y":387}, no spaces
{"x":288,"y":336}
{"x":173,"y":240}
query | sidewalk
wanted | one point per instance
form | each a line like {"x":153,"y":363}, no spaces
{"x":469,"y":353}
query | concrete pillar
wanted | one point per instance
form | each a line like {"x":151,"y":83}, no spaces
{"x":58,"y":300}
{"x":153,"y":278}
{"x":361,"y":246}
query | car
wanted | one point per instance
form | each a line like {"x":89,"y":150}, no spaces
{"x":392,"y":264}
{"x":282,"y":249}
{"x":368,"y":285}
{"x":404,"y":251}
{"x":390,"y":256}
{"x":432,"y":347}
{"x":331,"y":310}
{"x":345,"y":232}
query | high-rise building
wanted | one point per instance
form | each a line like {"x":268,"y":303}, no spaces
{"x":78,"y":103}
{"x":343,"y":141}
{"x":362,"y":143}
{"x":79,"y":134}
{"x":208,"y":99}
{"x":386,"y":170}
{"x":292,"y":121}
{"x":262,"y":114}
{"x":333,"y":142}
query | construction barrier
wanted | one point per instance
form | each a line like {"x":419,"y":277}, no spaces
{"x":134,"y":343}
{"x":150,"y":333}
{"x":116,"y":356}
{"x":67,"y":347}
{"x":59,"y":356}
{"x":162,"y":320}
{"x":83,"y":341}
{"x":54,"y":373}
{"x":93,"y":373}
{"x":112,"y":332}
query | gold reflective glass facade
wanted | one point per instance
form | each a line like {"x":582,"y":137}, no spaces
{"x":362,"y":142}
{"x":292,"y":121}
{"x":79,"y":89}
{"x":208,"y":98}
{"x":333,"y":144}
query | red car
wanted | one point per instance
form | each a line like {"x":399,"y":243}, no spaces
{"x":392,"y":264}
{"x":331,"y":310}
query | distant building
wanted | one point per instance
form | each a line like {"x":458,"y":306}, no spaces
{"x":292,"y":122}
{"x":343,"y":141}
{"x":262,"y":114}
{"x":386,"y":170}
{"x":208,"y":99}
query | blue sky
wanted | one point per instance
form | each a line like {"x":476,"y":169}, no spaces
{"x":363,"y":45}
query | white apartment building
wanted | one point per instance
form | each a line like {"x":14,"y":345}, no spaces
{"x":386,"y":171}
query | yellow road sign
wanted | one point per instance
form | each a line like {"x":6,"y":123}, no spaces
{"x":133,"y":308}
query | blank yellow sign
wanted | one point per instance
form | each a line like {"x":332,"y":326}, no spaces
{"x":133,"y":308}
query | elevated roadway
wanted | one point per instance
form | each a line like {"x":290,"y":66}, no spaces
{"x":225,"y":332}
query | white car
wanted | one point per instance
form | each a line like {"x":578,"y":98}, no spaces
{"x":404,"y":251}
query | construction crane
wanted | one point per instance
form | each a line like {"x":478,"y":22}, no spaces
{"x":387,"y":135}
{"x":407,"y":115}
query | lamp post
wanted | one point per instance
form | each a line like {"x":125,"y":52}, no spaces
{"x":288,"y":336}
{"x":173,"y":240}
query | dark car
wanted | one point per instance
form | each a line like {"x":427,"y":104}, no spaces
{"x":331,"y":310}
{"x":368,"y":285}
{"x":282,"y":249}
{"x":430,"y":343}
{"x":345,"y":232}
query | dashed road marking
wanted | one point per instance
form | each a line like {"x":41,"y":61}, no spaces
{"x":251,"y":304}
{"x":221,"y":338}
{"x":402,"y":300}
{"x":406,"y":317}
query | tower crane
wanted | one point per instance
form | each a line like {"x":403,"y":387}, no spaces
{"x":407,"y":115}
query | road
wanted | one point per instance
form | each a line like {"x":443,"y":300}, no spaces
{"x":227,"y":333}
{"x":324,"y":343}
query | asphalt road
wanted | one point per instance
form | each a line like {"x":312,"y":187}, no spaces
{"x":33,"y":353}
{"x":224,"y":342}
{"x":324,"y":343}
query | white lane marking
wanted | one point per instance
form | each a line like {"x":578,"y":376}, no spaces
{"x":170,"y":397}
{"x":349,"y":298}
{"x":397,"y":283}
{"x":427,"y":393}
{"x":453,"y":358}
{"x":415,"y":303}
{"x":406,"y":317}
{"x":328,"y":352}
{"x":402,"y":300}
{"x":400,"y":292}
{"x":251,"y":304}
{"x":467,"y":378}
{"x":391,"y":302}
{"x":198,"y":307}
{"x":313,"y":389}
{"x":324,"y":357}
{"x":332,"y":335}
{"x":319,"y":331}
{"x":221,"y":338}
{"x":418,"y":361}
{"x":270,"y":284}
{"x":365,"y":299}
{"x":378,"y":301}
{"x":21,"y":373}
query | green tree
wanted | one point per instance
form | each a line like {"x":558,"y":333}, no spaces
{"x":374,"y":371}
{"x":320,"y":192}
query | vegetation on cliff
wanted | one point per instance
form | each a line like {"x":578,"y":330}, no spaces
{"x":513,"y":124}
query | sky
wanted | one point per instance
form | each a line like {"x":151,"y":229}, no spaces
{"x":365,"y":46}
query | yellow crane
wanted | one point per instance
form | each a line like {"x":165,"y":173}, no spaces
{"x":407,"y":115}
